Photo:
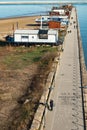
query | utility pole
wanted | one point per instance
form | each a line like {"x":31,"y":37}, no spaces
{"x":41,"y":23}
{"x":13,"y":28}
{"x":17,"y":25}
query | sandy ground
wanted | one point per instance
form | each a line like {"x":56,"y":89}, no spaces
{"x":8,"y":26}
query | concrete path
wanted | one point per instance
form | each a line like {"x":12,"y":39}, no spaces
{"x":67,"y":113}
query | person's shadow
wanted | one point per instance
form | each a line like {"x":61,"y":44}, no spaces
{"x":48,"y":106}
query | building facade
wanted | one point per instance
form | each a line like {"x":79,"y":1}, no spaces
{"x":36,"y":36}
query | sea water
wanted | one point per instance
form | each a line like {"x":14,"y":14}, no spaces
{"x":82,"y":17}
{"x":7,"y":11}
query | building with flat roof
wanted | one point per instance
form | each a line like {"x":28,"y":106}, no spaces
{"x":36,"y":36}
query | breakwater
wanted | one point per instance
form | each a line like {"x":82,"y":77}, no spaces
{"x":83,"y":76}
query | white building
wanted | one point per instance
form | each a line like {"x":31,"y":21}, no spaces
{"x":61,"y":11}
{"x":46,"y":19}
{"x":36,"y":36}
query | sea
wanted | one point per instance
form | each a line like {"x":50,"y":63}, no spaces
{"x":8,"y":11}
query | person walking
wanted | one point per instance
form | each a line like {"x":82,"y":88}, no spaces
{"x":51,"y":104}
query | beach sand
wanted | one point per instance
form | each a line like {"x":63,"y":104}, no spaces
{"x":8,"y":26}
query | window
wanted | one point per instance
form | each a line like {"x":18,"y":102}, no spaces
{"x":43,"y":34}
{"x":24,"y":37}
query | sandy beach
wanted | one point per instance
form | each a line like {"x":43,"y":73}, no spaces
{"x":8,"y":26}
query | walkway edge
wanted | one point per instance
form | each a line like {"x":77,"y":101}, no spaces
{"x":83,"y":71}
{"x":39,"y":115}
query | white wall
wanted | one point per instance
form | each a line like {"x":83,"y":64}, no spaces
{"x":17,"y":37}
{"x":35,"y":38}
{"x":61,"y":11}
{"x":52,"y":38}
{"x":31,"y":38}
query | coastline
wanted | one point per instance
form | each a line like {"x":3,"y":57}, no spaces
{"x":15,"y":17}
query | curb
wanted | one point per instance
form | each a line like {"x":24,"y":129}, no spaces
{"x":37,"y":123}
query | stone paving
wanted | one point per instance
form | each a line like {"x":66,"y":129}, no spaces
{"x":67,"y":113}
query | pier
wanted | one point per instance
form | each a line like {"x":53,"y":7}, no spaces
{"x":43,"y":2}
{"x":68,"y":111}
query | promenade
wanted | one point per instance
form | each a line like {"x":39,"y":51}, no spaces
{"x":67,"y":113}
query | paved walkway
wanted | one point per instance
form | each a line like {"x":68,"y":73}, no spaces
{"x":67,"y":113}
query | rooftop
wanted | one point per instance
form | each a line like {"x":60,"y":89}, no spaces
{"x":41,"y":31}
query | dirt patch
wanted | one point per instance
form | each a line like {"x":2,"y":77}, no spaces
{"x":13,"y":85}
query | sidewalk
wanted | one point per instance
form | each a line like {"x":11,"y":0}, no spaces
{"x":67,"y":113}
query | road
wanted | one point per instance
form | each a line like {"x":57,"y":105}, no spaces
{"x":67,"y":113}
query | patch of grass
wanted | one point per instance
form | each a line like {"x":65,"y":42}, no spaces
{"x":36,"y":59}
{"x":23,"y":57}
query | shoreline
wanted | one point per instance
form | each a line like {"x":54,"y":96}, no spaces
{"x":17,"y":17}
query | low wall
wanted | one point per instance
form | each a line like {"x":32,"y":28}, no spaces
{"x":38,"y":121}
{"x":83,"y":73}
{"x":82,"y":60}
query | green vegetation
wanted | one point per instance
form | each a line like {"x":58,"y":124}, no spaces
{"x":21,"y":57}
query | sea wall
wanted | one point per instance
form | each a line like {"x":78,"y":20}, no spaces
{"x":38,"y":121}
{"x":82,"y":60}
{"x":83,"y":73}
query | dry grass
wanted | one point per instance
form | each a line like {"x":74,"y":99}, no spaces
{"x":22,"y":84}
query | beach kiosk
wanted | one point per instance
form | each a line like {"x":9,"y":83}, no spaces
{"x":40,"y":36}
